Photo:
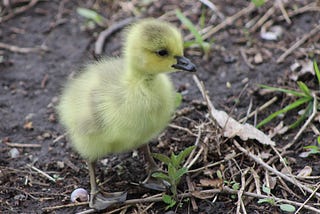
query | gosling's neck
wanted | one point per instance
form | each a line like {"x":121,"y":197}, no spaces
{"x":134,"y":76}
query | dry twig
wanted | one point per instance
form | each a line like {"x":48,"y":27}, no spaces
{"x":283,"y":11}
{"x":195,"y":207}
{"x":306,"y":201}
{"x":263,"y":19}
{"x":240,"y":192}
{"x":17,"y":49}
{"x":213,"y":8}
{"x":18,"y":11}
{"x":275,"y":171}
{"x":313,"y":32}
{"x":228,"y":21}
{"x":42,"y":173}
{"x":108,"y":32}
{"x":245,"y":58}
{"x":24,"y":145}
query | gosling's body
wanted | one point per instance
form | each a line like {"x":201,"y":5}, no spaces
{"x":112,"y":111}
{"x":119,"y":104}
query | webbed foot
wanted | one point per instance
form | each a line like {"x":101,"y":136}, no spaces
{"x":101,"y":201}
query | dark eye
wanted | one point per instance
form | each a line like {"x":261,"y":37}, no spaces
{"x":163,"y":52}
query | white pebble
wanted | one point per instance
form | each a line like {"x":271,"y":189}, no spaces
{"x":79,"y":195}
{"x":14,"y":153}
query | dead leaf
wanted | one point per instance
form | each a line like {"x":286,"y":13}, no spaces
{"x":216,"y":183}
{"x":233,"y":128}
{"x":286,"y":170}
{"x":230,"y":126}
{"x":272,"y":182}
{"x":305,"y":172}
{"x":202,"y":195}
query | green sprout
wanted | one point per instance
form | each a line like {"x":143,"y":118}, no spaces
{"x":270,"y":200}
{"x":174,"y":173}
{"x":199,"y":41}
{"x":91,"y":15}
{"x":234,"y":185}
{"x":304,"y":95}
{"x":258,"y":3}
{"x":313,"y":149}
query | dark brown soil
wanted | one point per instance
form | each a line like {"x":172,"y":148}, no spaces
{"x":30,"y":84}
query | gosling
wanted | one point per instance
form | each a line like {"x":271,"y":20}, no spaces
{"x":119,"y":104}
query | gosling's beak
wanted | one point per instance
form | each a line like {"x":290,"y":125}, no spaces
{"x":185,"y":64}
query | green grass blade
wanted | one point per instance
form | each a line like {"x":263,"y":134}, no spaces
{"x":316,"y":70}
{"x":202,"y":18}
{"x":91,"y":14}
{"x":287,"y":91}
{"x":258,"y":3}
{"x":289,"y":107}
{"x":188,"y":44}
{"x":306,"y":113}
{"x":190,"y":26}
{"x":304,"y":88}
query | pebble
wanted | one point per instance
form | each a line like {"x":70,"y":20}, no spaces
{"x":79,"y":195}
{"x":14,"y":153}
{"x":258,"y":58}
{"x":60,"y":164}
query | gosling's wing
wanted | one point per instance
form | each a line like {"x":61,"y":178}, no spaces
{"x":83,"y":98}
{"x":108,"y":96}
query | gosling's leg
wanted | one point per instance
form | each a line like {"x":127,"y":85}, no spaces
{"x":98,"y":199}
{"x":151,"y":182}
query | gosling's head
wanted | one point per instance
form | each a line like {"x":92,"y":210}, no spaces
{"x":154,"y":46}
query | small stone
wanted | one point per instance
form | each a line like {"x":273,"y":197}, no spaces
{"x":14,"y":153}
{"x":52,"y":118}
{"x":104,"y":161}
{"x":46,"y":135}
{"x":258,"y":58}
{"x":60,"y":164}
{"x":29,"y":116}
{"x":274,"y":33}
{"x":229,"y":59}
{"x":79,"y":195}
{"x":19,"y":197}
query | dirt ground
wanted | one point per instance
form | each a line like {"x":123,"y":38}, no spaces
{"x":59,"y":42}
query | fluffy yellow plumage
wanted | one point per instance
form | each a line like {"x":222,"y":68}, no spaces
{"x":116,"y":105}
